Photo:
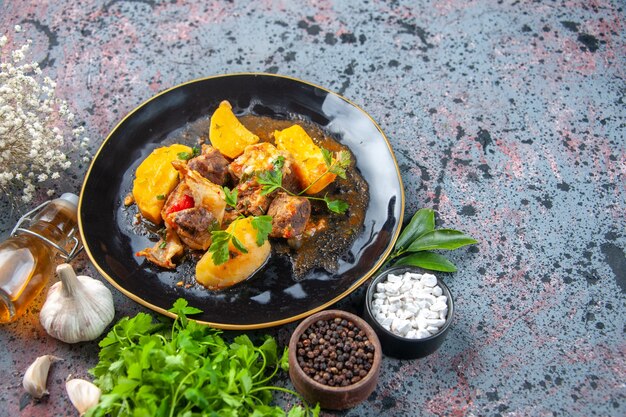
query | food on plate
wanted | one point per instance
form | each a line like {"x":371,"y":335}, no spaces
{"x":241,"y":234}
{"x":211,"y":164}
{"x":228,"y":135}
{"x":223,"y":202}
{"x":155,"y":178}
{"x":311,"y":168}
{"x":290,"y":215}
{"x":258,"y":159}
{"x":166,"y":249}
{"x":194,"y":208}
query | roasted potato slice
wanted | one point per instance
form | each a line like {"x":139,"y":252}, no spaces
{"x":309,"y":160}
{"x":155,"y":178}
{"x":240,"y":265}
{"x":227,"y":134}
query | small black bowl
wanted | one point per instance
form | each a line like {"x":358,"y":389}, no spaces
{"x":397,"y":346}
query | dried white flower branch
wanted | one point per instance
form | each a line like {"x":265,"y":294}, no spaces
{"x":33,"y":125}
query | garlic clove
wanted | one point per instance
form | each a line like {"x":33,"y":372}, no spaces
{"x":36,"y":375}
{"x":78,"y":308}
{"x":83,"y":394}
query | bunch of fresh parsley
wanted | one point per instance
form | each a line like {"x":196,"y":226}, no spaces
{"x":187,"y":370}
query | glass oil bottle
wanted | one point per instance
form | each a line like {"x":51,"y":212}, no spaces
{"x":27,"y":257}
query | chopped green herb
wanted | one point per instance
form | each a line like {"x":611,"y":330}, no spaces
{"x":237,"y":243}
{"x":213,"y":225}
{"x":219,"y":246}
{"x":230,"y":196}
{"x":328,"y":157}
{"x":336,"y":206}
{"x":263,"y":226}
{"x":279,"y":163}
{"x":271,"y":181}
{"x":185,"y":156}
{"x":341,"y":164}
{"x":160,"y":197}
{"x":221,"y":238}
{"x":187,"y":369}
{"x":163,"y":245}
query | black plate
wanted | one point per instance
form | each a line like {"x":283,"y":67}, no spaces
{"x":272,"y":297}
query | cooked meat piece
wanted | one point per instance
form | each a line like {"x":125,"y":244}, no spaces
{"x":164,"y":251}
{"x":290,"y":215}
{"x":194,"y":226}
{"x":204,"y":192}
{"x":290,"y":179}
{"x":211,"y":165}
{"x":250,"y":199}
{"x":262,"y":157}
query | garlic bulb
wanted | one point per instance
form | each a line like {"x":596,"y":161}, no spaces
{"x":83,"y":394}
{"x":35,"y":377}
{"x":77,"y":308}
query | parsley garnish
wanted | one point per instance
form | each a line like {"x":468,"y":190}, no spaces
{"x":273,"y":180}
{"x":230,"y":196}
{"x":219,"y":246}
{"x":336,"y":206}
{"x":263,"y":226}
{"x":213,"y":226}
{"x":279,"y":163}
{"x":185,"y":156}
{"x":270,"y":180}
{"x":180,"y":367}
{"x":339,"y":167}
{"x":160,"y":197}
{"x":221,"y":238}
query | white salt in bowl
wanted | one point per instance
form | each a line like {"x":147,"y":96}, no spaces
{"x":398,"y":338}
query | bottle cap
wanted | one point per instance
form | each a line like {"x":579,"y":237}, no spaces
{"x":70,"y":198}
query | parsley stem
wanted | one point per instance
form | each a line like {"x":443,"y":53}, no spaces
{"x":275,"y":388}
{"x":263,"y":381}
{"x":123,"y":407}
{"x":282,"y":389}
{"x":174,"y":398}
{"x":262,"y":368}
{"x":315,"y":198}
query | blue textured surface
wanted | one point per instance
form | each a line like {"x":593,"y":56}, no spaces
{"x":507,"y":117}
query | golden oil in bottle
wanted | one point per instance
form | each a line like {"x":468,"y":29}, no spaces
{"x":27,"y":257}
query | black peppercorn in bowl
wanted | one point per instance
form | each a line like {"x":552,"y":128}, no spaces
{"x":394,"y":302}
{"x":334,"y":359}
